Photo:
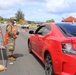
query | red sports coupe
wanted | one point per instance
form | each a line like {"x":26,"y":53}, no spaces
{"x":55,"y":45}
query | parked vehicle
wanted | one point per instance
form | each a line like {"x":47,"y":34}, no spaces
{"x":55,"y":45}
{"x":25,"y":26}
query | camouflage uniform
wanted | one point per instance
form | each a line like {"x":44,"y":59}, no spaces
{"x":10,"y":36}
{"x":11,"y":40}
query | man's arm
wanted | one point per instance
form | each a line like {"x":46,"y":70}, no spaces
{"x":9,"y":30}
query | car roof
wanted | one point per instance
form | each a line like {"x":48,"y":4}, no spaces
{"x":58,"y":24}
{"x":61,"y":23}
{"x":65,"y":24}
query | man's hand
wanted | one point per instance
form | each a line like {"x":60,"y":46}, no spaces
{"x":2,"y":47}
{"x":17,"y":32}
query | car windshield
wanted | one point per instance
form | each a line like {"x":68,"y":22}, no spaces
{"x":67,"y":29}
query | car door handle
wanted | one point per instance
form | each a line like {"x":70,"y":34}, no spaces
{"x":33,"y":42}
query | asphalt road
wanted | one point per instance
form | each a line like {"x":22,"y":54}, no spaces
{"x":26,"y":63}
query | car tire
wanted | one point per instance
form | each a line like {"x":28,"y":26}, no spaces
{"x":29,"y":48}
{"x":48,"y":65}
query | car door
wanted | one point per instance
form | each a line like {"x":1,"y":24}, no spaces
{"x":41,"y":38}
{"x":35,"y":38}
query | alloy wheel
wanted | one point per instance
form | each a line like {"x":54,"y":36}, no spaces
{"x":48,"y":66}
{"x":29,"y":48}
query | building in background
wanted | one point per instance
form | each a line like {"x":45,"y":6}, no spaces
{"x":70,"y":19}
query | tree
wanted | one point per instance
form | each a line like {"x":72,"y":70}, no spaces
{"x":1,"y":18}
{"x":52,"y":20}
{"x":19,"y":15}
{"x":20,"y":21}
{"x":29,"y":22}
{"x":5,"y":19}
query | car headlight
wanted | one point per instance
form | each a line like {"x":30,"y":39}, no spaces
{"x":67,"y":48}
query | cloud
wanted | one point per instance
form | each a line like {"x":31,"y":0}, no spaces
{"x":34,"y":0}
{"x":39,"y":9}
{"x":7,"y":4}
{"x":51,"y":6}
{"x":8,"y":14}
{"x":60,"y":6}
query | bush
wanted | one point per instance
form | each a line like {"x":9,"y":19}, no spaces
{"x":20,"y":21}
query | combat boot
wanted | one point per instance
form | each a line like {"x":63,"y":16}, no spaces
{"x":12,"y":58}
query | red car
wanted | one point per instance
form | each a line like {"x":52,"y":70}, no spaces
{"x":55,"y":45}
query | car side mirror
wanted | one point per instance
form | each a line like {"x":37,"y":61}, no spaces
{"x":31,"y":32}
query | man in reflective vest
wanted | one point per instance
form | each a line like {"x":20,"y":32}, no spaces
{"x":10,"y":37}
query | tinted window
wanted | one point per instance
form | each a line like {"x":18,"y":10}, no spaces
{"x":68,"y":29}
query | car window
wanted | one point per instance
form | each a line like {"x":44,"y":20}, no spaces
{"x":46,"y":30}
{"x":43,"y":30}
{"x":68,"y":29}
{"x":40,"y":30}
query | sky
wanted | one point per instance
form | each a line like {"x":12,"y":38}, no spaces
{"x":39,"y":10}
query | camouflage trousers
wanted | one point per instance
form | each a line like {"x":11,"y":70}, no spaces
{"x":11,"y":44}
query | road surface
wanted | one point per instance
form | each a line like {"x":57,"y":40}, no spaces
{"x":25,"y":64}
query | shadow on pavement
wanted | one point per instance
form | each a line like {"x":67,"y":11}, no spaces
{"x":6,"y":57}
{"x":38,"y":60}
{"x":18,"y":55}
